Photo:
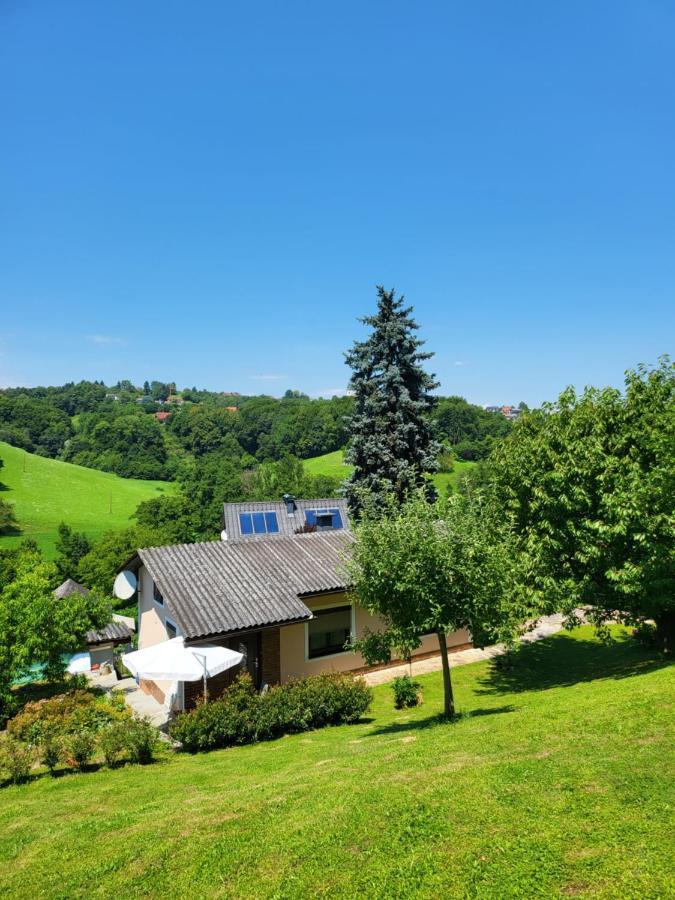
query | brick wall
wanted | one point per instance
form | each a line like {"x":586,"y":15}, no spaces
{"x":194,"y":690}
{"x":149,"y":687}
{"x":271,"y":656}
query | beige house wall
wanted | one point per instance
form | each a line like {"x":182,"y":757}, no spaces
{"x":293,"y":649}
{"x":151,"y":623}
{"x":293,"y":638}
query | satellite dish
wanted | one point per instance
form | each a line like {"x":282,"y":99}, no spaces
{"x":223,"y":535}
{"x":125,"y":585}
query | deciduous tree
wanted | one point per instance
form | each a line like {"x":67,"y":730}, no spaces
{"x":36,"y":628}
{"x":590,"y":481}
{"x":435,"y":568}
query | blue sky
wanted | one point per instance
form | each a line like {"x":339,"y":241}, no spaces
{"x":208,"y":193}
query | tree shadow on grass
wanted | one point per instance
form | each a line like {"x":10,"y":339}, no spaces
{"x":562,"y":661}
{"x":438,"y":719}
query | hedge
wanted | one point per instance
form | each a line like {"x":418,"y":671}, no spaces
{"x":243,"y":716}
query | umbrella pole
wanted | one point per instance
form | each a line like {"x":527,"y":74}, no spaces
{"x":202,"y":657}
{"x":206,"y":693}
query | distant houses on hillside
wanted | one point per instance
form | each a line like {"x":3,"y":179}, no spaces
{"x":509,"y":412}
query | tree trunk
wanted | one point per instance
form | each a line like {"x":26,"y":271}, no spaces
{"x":665,"y":630}
{"x":449,"y":702}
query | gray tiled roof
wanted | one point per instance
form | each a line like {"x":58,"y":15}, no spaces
{"x":222,"y":586}
{"x":287,"y":524}
{"x":70,"y":587}
{"x":115,"y":632}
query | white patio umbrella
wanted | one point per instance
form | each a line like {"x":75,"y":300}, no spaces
{"x":173,"y":661}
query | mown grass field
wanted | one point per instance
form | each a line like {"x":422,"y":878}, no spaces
{"x":46,"y":492}
{"x":557,"y":782}
{"x":333,"y":464}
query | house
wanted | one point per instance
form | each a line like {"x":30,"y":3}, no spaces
{"x":162,"y":416}
{"x":509,"y":412}
{"x":100,"y":644}
{"x":280,"y":597}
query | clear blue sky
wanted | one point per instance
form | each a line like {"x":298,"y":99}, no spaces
{"x":208,"y":192}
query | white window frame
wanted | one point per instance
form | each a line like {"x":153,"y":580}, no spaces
{"x":332,"y":605}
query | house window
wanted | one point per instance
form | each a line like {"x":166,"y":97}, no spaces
{"x":323,"y":519}
{"x":157,"y":596}
{"x":329,"y":631}
{"x":258,"y":523}
{"x":171,"y":629}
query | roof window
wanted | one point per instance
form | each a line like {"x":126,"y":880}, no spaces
{"x":323,"y":519}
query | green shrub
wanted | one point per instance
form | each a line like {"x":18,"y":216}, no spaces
{"x":141,"y":740}
{"x":112,"y":743}
{"x":67,"y":714}
{"x":406,"y":692}
{"x":242,"y":716}
{"x":16,"y":758}
{"x":80,"y":748}
{"x":51,"y":750}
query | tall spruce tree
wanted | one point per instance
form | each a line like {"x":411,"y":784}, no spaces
{"x":392,"y":445}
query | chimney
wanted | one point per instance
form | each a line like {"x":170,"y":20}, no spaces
{"x":289,"y":500}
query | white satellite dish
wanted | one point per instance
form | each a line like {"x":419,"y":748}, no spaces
{"x":125,"y":585}
{"x":223,"y":535}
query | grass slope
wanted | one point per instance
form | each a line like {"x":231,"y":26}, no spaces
{"x":557,"y":782}
{"x":333,"y":464}
{"x":45,"y":492}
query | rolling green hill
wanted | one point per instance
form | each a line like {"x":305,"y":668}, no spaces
{"x":45,"y":492}
{"x":556,"y":782}
{"x":333,"y":464}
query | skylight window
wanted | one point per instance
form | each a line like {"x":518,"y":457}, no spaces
{"x":324,"y":519}
{"x":258,"y":523}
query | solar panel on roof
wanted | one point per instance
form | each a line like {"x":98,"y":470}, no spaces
{"x":259,"y":523}
{"x":245,"y":523}
{"x":271,"y":522}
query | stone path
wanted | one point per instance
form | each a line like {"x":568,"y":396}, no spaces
{"x":546,"y":626}
{"x":140,"y":702}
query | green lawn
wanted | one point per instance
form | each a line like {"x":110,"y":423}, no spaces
{"x":557,"y":782}
{"x":45,"y":492}
{"x":333,"y":464}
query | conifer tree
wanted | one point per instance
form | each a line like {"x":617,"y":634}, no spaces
{"x":392,"y":445}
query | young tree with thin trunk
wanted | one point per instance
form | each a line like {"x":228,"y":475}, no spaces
{"x":391,"y":441}
{"x":590,"y":482}
{"x":434,"y":568}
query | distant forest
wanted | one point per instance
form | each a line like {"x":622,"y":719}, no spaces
{"x":116,"y":428}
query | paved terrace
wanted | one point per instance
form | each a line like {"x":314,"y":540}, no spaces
{"x":140,"y":702}
{"x":546,"y":626}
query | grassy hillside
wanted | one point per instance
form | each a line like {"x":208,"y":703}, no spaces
{"x":556,"y":782}
{"x":45,"y":492}
{"x":333,"y":464}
